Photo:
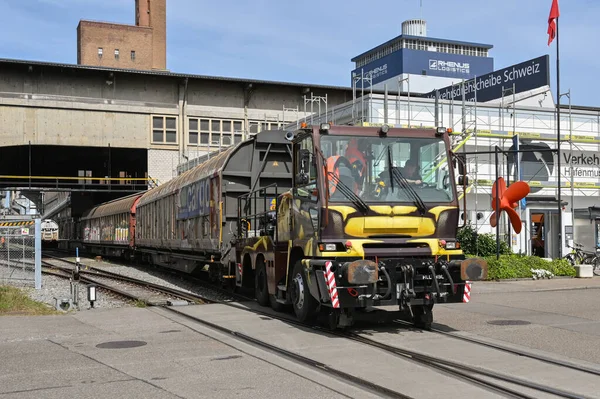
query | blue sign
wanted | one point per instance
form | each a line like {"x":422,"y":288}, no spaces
{"x":419,"y":62}
{"x":458,"y":66}
{"x":525,"y":76}
{"x":194,"y":199}
{"x":382,"y":69}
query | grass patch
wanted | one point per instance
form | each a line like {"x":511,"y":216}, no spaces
{"x":15,"y":302}
{"x":140,"y":304}
{"x":520,"y":266}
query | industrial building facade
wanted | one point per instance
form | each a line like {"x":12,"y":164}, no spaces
{"x":110,"y":131}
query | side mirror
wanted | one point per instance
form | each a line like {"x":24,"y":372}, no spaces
{"x":302,"y":178}
{"x":463,"y":180}
{"x":304,"y":158}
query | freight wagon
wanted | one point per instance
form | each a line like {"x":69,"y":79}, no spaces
{"x":191,"y":222}
{"x":109,"y":229}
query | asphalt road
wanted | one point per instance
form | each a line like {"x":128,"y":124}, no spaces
{"x":560,"y":316}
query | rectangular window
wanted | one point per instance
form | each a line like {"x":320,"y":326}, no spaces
{"x":193,"y":131}
{"x":215,"y":131}
{"x":237,"y":126}
{"x":116,"y":54}
{"x":204,"y":131}
{"x":132,"y":55}
{"x":99,"y":52}
{"x":164,"y":129}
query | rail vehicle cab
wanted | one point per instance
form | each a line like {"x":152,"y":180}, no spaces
{"x":371,"y":220}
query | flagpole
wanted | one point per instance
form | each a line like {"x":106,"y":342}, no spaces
{"x":560,"y":227}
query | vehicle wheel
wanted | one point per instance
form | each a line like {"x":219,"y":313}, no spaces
{"x":423,"y":316}
{"x":571,"y":259}
{"x":261,"y":290}
{"x":305,"y":306}
{"x":276,"y":306}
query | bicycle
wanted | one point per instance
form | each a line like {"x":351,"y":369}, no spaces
{"x":596,"y":262}
{"x":579,"y":257}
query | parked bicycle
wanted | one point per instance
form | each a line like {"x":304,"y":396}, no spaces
{"x":579,"y":257}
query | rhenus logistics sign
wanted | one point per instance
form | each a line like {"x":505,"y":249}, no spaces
{"x":525,"y":76}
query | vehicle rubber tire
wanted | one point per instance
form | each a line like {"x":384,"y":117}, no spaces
{"x":261,"y":290}
{"x":304,"y":304}
{"x":571,"y":259}
{"x":276,"y":306}
{"x":423,"y":316}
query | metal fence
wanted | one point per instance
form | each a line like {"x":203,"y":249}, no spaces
{"x":20,"y":252}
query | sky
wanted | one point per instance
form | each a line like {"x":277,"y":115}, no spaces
{"x":312,"y":41}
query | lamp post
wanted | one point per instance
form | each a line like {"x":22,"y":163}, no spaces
{"x":572,"y":179}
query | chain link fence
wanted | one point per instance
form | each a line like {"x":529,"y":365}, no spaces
{"x":20,"y":252}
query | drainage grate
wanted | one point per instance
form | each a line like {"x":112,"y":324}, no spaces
{"x":120,"y":344}
{"x":508,"y":322}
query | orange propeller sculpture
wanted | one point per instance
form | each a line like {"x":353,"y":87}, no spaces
{"x":508,"y":199}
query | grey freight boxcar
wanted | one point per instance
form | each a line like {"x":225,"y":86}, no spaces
{"x":108,"y":229}
{"x":189,"y":222}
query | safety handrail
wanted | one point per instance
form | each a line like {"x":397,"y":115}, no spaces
{"x":246,"y":215}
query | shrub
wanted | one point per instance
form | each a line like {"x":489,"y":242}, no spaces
{"x":521,"y":266}
{"x":473,"y":243}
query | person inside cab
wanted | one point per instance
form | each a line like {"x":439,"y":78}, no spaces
{"x":411,"y":172}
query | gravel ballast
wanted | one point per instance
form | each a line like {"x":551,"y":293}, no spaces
{"x":54,"y":287}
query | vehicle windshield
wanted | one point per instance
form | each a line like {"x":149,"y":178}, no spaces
{"x":363,"y":165}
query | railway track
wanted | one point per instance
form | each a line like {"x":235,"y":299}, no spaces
{"x":517,"y":352}
{"x":130,"y":288}
{"x":495,"y":381}
{"x":489,"y":380}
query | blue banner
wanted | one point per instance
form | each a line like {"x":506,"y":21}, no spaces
{"x":194,"y":199}
{"x":458,"y":66}
{"x":525,"y":76}
{"x":382,"y":69}
{"x":430,"y":63}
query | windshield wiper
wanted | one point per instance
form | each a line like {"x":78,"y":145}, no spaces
{"x":395,"y":175}
{"x":344,"y":189}
{"x":418,"y":201}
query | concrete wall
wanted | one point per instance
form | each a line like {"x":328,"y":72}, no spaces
{"x":69,"y":126}
{"x":62,"y":105}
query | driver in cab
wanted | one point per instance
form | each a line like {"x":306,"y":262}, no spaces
{"x":410,"y":171}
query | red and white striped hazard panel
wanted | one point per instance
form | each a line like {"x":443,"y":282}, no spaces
{"x":330,"y":277}
{"x":239,"y":266}
{"x":467,"y":294}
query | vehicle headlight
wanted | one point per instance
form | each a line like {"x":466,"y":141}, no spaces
{"x":330,"y":246}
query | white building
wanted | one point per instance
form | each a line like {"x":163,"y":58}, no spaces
{"x":483,"y":126}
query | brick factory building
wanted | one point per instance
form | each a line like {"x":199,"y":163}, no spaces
{"x":140,"y":46}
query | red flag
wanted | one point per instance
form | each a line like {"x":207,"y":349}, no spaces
{"x":554,"y":14}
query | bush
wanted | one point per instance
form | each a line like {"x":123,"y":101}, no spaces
{"x":476,"y":244}
{"x":521,"y":266}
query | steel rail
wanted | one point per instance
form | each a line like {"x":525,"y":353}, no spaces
{"x":379,"y":389}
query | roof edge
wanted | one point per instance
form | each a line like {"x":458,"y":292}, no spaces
{"x":422,"y":38}
{"x":164,"y":73}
